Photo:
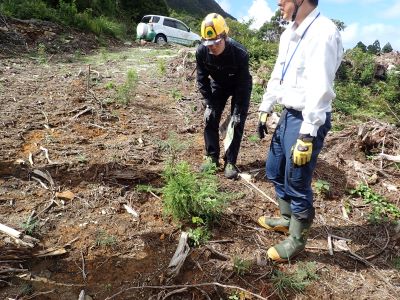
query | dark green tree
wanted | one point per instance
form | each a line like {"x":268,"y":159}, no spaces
{"x":387,"y":48}
{"x":339,"y":24}
{"x":272,"y":30}
{"x":375,"y":48}
{"x":361,"y":46}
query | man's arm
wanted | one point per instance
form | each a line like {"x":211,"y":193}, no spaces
{"x":324,"y":57}
{"x":243,"y":82}
{"x":203,"y":80}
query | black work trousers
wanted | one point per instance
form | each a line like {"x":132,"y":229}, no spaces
{"x":211,"y":131}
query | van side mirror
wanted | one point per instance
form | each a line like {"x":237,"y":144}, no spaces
{"x":189,"y":29}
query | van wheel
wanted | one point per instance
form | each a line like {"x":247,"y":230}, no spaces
{"x":161,"y":39}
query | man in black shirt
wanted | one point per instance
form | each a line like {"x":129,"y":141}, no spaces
{"x":222,"y":71}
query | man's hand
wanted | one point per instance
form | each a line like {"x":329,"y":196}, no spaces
{"x":208,"y":113}
{"x":302,"y":150}
{"x":262,"y":124}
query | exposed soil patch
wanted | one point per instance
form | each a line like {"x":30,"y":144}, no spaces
{"x":100,"y":149}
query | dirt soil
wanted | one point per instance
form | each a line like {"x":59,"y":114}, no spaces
{"x":99,"y":149}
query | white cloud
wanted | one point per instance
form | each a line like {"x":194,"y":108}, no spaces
{"x":369,"y":33}
{"x":260,"y":12}
{"x":225,"y":5}
{"x":393,"y":11}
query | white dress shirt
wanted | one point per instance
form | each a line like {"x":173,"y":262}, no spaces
{"x":307,"y":85}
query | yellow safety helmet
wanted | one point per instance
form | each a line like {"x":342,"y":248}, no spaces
{"x":213,"y":29}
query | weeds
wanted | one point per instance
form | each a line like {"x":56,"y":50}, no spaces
{"x":241,"y":266}
{"x":257,"y":93}
{"x":176,"y":94}
{"x":254,"y":138}
{"x":161,"y":66}
{"x":110,"y":85}
{"x":187,"y":194}
{"x":82,"y":158}
{"x":128,"y":89}
{"x":200,"y":234}
{"x":382,"y":210}
{"x":396,"y":263}
{"x":296,"y":282}
{"x":322,"y":187}
{"x":41,"y":52}
{"x":31,"y":226}
{"x":105,"y":240}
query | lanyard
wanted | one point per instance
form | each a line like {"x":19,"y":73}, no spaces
{"x":297,"y":46}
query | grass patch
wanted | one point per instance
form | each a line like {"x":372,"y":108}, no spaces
{"x":176,"y":94}
{"x":105,"y":240}
{"x":295,"y":282}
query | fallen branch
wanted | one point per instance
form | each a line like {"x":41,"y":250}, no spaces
{"x":390,"y":157}
{"x":246,"y":178}
{"x":187,"y":286}
{"x":19,"y":236}
{"x":218,"y":254}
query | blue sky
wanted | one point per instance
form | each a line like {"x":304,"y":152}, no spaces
{"x":365,"y":21}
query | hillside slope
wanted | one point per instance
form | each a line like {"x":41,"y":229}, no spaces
{"x":198,"y":8}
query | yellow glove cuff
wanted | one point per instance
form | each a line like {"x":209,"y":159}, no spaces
{"x":262,"y":117}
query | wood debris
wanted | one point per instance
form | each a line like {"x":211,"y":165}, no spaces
{"x":179,"y":257}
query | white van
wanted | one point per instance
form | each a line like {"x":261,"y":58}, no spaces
{"x":163,"y":30}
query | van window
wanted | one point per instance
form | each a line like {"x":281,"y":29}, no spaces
{"x":181,"y":26}
{"x":145,"y":19}
{"x":169,"y":23}
{"x":155,"y":19}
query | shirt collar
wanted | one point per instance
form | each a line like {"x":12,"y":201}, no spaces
{"x":298,"y":32}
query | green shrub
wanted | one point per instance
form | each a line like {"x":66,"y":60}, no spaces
{"x":349,"y":98}
{"x":257,"y":93}
{"x":187,"y":194}
{"x":128,"y":89}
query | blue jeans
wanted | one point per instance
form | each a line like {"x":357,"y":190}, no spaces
{"x":293,"y":183}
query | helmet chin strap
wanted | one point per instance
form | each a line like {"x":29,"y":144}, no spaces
{"x":296,"y":8}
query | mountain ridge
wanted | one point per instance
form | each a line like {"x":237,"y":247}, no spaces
{"x":198,"y":8}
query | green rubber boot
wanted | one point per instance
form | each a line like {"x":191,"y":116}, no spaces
{"x":294,"y":244}
{"x":280,"y":224}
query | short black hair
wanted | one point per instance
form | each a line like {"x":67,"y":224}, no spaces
{"x":314,"y":2}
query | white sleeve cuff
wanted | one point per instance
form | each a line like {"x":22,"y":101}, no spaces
{"x":307,"y":128}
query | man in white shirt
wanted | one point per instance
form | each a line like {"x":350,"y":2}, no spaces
{"x":310,"y":52}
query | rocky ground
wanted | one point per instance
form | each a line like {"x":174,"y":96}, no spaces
{"x":74,"y":147}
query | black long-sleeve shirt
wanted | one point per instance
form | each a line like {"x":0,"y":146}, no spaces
{"x":229,"y":70}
